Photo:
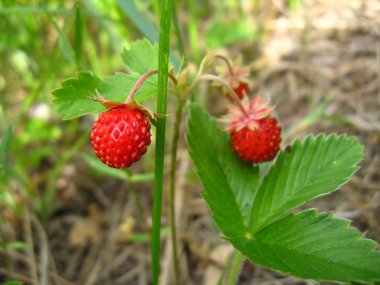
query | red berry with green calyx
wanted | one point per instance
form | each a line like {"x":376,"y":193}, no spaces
{"x":121,"y":135}
{"x":255,"y":134}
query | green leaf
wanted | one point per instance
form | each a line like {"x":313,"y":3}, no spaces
{"x":229,"y":182}
{"x":100,"y":167}
{"x":141,"y":56}
{"x":16,"y":245}
{"x":73,"y":99}
{"x":309,"y":170}
{"x":314,"y":246}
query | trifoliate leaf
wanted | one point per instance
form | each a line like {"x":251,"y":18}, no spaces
{"x":311,"y":169}
{"x":314,"y":246}
{"x":229,"y":182}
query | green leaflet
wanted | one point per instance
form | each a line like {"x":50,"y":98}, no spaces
{"x":229,"y":182}
{"x":141,"y":56}
{"x":73,"y":99}
{"x":311,"y":169}
{"x":314,"y":246}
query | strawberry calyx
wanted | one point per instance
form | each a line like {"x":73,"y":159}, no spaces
{"x":132,"y":105}
{"x":254,"y":112}
{"x":237,"y":77}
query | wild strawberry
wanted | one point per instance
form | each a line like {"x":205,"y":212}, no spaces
{"x":255,"y":134}
{"x":121,"y":135}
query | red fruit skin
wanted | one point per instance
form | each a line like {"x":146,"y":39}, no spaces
{"x":120,"y":136}
{"x":240,"y":90}
{"x":259,"y":145}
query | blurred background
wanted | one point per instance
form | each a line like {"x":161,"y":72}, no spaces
{"x":67,"y":219}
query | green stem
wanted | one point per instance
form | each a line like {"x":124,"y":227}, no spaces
{"x":173,"y":164}
{"x":228,"y":63}
{"x":225,"y":84}
{"x":163,"y":65}
{"x":235,"y":270}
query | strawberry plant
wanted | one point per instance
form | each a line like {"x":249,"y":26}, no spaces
{"x":254,"y":207}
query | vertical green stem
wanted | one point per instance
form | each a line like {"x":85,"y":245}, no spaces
{"x":235,"y":268}
{"x":163,"y":65}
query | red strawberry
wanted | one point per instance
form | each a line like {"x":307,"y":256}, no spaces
{"x":121,"y":135}
{"x":255,"y":135}
{"x":258,"y":145}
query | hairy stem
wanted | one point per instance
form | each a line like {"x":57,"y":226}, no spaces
{"x":225,"y":84}
{"x":139,"y":83}
{"x":227,"y":61}
{"x":163,"y":63}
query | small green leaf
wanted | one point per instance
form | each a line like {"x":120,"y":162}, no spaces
{"x":229,"y":182}
{"x":73,"y":99}
{"x":141,"y":56}
{"x":309,"y":170}
{"x":16,"y":245}
{"x":314,"y":246}
{"x":102,"y":168}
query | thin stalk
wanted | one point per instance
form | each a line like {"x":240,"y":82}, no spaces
{"x":225,"y":84}
{"x":163,"y":64}
{"x":235,"y":270}
{"x":173,"y":164}
{"x":139,"y":83}
{"x":141,"y":80}
{"x":228,"y":63}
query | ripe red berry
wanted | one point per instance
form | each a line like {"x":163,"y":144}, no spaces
{"x":258,"y":145}
{"x":255,"y":134}
{"x":120,"y":136}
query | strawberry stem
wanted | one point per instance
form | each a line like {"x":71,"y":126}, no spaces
{"x":141,"y":81}
{"x":227,"y":61}
{"x":225,"y":84}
